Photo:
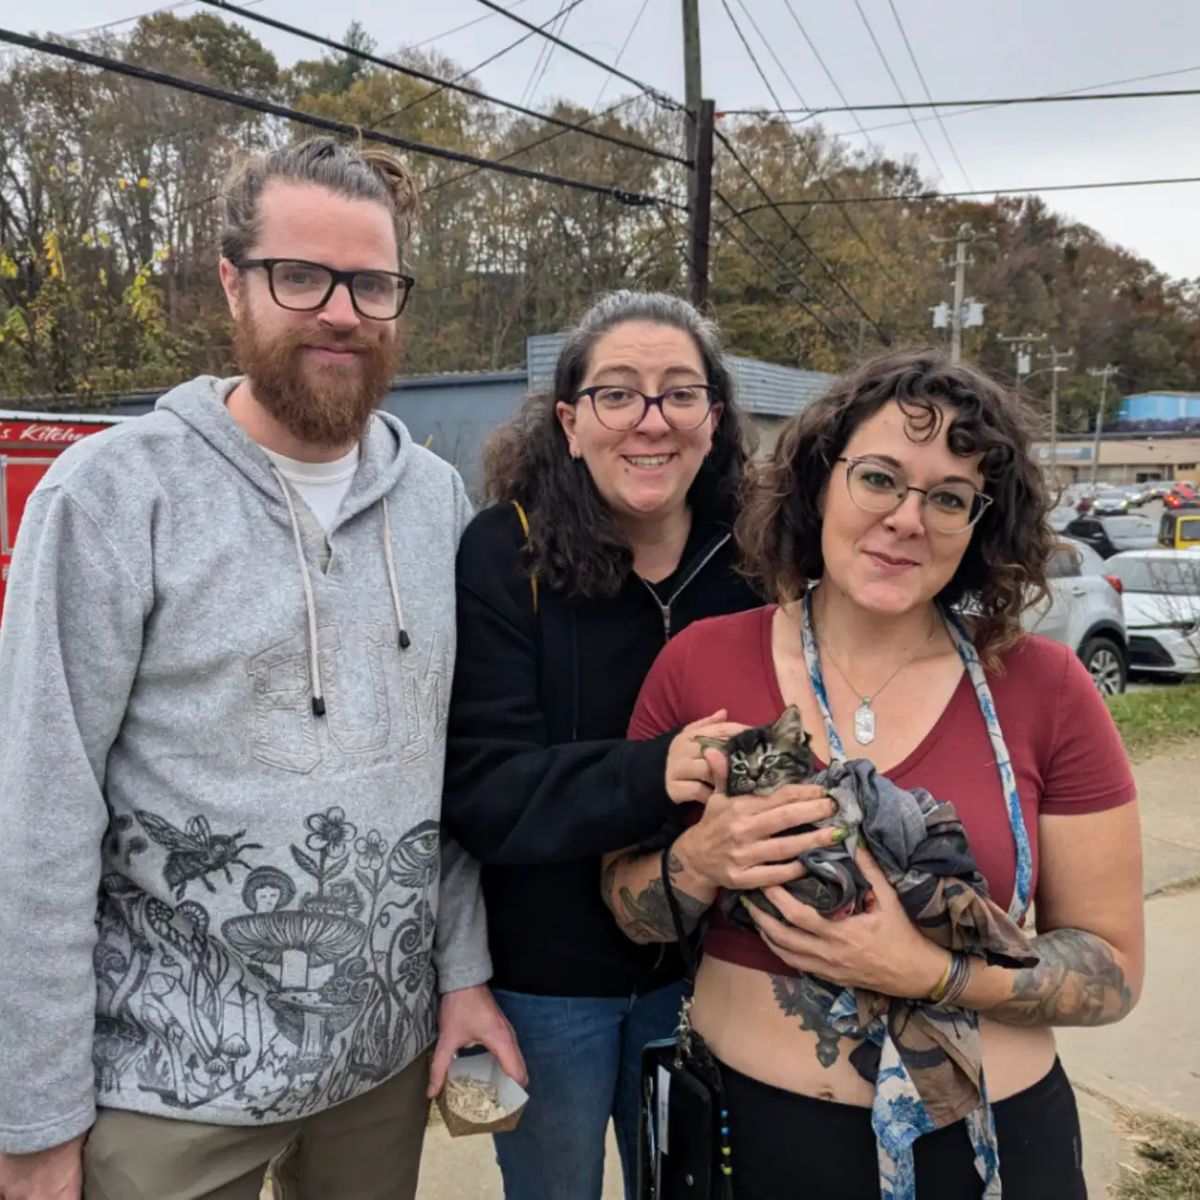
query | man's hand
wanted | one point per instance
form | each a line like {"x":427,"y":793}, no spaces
{"x":468,"y":1017}
{"x":54,"y":1174}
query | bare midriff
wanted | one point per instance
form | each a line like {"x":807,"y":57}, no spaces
{"x":737,"y":1015}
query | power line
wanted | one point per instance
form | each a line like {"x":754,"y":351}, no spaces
{"x":661,"y":97}
{"x":817,"y":55}
{"x":825,"y":267}
{"x":990,"y":102}
{"x":414,"y":73}
{"x":437,"y":37}
{"x":545,"y":54}
{"x":621,"y":53}
{"x":550,"y":137}
{"x":808,"y":155}
{"x":491,"y":58}
{"x":887,"y":66}
{"x":770,"y":49}
{"x":726,"y":231}
{"x":928,"y":95}
{"x":303,"y":118}
{"x":594,"y":116}
{"x":911,"y":197}
{"x":162,"y":8}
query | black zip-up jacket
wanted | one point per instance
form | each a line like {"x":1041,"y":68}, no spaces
{"x":540,"y":780}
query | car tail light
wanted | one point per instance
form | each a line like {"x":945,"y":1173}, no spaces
{"x":1115,"y":582}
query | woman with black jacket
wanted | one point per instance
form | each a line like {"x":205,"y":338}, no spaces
{"x":615,"y":494}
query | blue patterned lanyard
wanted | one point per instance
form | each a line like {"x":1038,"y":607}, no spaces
{"x":1023,"y":882}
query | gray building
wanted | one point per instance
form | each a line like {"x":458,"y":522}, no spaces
{"x":453,"y":414}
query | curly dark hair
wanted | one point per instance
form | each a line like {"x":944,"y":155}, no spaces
{"x":1004,"y":568}
{"x":576,"y":544}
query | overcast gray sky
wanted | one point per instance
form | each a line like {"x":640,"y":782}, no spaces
{"x":973,"y":48}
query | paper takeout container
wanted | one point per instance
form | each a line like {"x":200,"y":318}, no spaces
{"x":484,"y":1068}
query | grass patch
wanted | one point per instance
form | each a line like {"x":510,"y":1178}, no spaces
{"x":1168,"y":1165}
{"x":1156,"y":719}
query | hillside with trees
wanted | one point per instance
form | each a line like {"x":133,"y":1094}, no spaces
{"x":108,"y":228}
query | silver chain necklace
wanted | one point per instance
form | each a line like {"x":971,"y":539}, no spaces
{"x":864,"y":715}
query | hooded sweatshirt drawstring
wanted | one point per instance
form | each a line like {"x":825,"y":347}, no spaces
{"x":310,"y":604}
{"x":404,"y":639}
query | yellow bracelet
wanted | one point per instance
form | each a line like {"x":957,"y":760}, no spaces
{"x":943,"y":983}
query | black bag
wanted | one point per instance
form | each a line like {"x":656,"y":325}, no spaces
{"x":683,"y":1122}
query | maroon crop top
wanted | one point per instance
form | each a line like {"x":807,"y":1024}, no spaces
{"x":1065,"y":749}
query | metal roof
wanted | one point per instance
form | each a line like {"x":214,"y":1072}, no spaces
{"x":763,"y":388}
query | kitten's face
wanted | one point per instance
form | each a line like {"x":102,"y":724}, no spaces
{"x":763,"y":760}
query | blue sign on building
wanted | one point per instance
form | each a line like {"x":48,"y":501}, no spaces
{"x":1161,"y":406}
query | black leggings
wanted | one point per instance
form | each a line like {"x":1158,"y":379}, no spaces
{"x":786,"y":1146}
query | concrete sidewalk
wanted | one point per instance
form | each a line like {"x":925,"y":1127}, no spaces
{"x":1151,"y":1060}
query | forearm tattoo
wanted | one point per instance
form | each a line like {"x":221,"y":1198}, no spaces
{"x":1077,"y":982}
{"x":646,"y":917}
{"x":798,"y":996}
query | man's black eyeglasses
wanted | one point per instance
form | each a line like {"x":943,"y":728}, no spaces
{"x":306,"y":286}
{"x":623,"y":408}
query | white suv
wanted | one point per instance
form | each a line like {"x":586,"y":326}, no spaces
{"x":1084,"y":612}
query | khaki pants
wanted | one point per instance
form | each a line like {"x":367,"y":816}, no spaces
{"x":368,"y":1148}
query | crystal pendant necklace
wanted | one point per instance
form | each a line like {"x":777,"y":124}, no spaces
{"x":864,"y":714}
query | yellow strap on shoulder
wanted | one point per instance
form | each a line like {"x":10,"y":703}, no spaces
{"x":533,"y":581}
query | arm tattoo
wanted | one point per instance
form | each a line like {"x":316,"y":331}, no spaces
{"x":646,"y":917}
{"x":1078,"y":982}
{"x":799,"y":996}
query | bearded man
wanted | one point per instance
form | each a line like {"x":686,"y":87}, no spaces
{"x":226,"y":906}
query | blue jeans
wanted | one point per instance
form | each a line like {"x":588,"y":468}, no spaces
{"x":584,"y":1057}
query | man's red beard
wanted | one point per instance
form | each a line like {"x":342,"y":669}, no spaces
{"x":324,"y":404}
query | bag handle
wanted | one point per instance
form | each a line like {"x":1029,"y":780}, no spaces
{"x":691,"y":960}
{"x":533,"y":579}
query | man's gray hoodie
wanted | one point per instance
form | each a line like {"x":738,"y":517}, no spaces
{"x":211,"y":720}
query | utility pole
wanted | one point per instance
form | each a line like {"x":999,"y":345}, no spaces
{"x":1022,"y":345}
{"x":700,"y":128}
{"x":1104,"y":374}
{"x":962,"y":313}
{"x":1054,"y":354}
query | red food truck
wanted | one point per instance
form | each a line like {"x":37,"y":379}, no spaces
{"x":29,"y":443}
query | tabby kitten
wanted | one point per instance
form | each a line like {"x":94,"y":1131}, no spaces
{"x":761,"y":761}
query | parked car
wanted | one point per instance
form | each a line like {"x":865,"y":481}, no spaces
{"x":1179,"y":530}
{"x":1182,"y":496}
{"x":1161,"y":590}
{"x":1110,"y":535}
{"x":1084,"y":612}
{"x":1111,"y":503}
{"x":1137,"y":493}
{"x":1060,"y":517}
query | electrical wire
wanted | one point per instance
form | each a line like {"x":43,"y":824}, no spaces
{"x":414,"y":73}
{"x":824,"y":67}
{"x":437,"y":37}
{"x":725,"y":231}
{"x":770,"y":49}
{"x":928,"y":94}
{"x":928,"y":197}
{"x":653,"y":92}
{"x":813,"y":163}
{"x":969,"y":105}
{"x":621,"y":53}
{"x":75,"y":54}
{"x":887,"y":66}
{"x":491,"y":58}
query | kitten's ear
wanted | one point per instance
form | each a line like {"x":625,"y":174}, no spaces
{"x":712,"y":743}
{"x":788,"y":731}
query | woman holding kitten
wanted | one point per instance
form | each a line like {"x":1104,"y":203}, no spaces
{"x":900,"y":524}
